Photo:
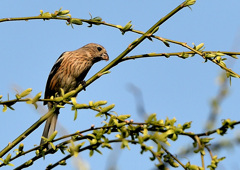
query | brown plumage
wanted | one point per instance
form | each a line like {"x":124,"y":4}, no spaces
{"x":67,"y":73}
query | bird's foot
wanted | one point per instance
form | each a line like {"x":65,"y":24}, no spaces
{"x":83,"y":83}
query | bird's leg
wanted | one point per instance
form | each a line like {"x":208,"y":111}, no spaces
{"x":83,"y":83}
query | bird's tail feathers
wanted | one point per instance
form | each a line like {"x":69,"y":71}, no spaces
{"x":50,"y":126}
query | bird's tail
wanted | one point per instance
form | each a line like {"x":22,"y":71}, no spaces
{"x":50,"y":126}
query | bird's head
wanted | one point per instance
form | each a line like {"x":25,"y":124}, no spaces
{"x":97,"y":52}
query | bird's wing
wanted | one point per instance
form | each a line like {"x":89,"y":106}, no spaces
{"x":48,"y":91}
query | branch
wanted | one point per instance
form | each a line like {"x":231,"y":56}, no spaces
{"x":132,"y":46}
{"x":208,"y":133}
{"x":26,"y":133}
{"x":175,"y":158}
{"x":178,"y":54}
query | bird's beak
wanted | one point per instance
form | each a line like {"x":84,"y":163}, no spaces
{"x":105,"y":57}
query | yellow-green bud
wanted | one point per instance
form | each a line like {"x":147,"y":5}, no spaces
{"x":80,"y":106}
{"x":63,"y":12}
{"x":189,"y":2}
{"x":76,"y":21}
{"x":25,"y":92}
{"x":63,"y":162}
{"x":218,"y":59}
{"x":30,"y":162}
{"x":99,"y":103}
{"x":123,"y":117}
{"x":36,"y":98}
{"x":37,"y":152}
{"x":108,"y":108}
{"x":53,"y":135}
{"x":47,"y":15}
{"x":91,"y":103}
{"x":8,"y":158}
{"x":74,"y":101}
{"x":198,"y":47}
{"x":20,"y":148}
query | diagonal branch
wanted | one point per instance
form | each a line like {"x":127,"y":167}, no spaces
{"x":26,"y":133}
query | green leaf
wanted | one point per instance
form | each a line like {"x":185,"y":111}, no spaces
{"x":29,"y":162}
{"x":79,"y":106}
{"x":45,"y":139}
{"x":60,"y":106}
{"x":76,"y":21}
{"x":63,"y":163}
{"x":126,"y":28}
{"x":155,"y":30}
{"x":46,"y":14}
{"x":198,"y":47}
{"x":210,"y":55}
{"x":92,"y":135}
{"x":190,"y":2}
{"x":99,"y":114}
{"x":183,"y":55}
{"x":10,"y":164}
{"x":123,"y":117}
{"x":98,"y":151}
{"x":97,"y":19}
{"x":25,"y":92}
{"x":134,"y":42}
{"x":62,"y":93}
{"x":20,"y":147}
{"x":168,"y":45}
{"x":121,"y":124}
{"x":107,"y":145}
{"x":125,"y":144}
{"x":205,"y":140}
{"x":145,"y":132}
{"x":75,"y":114}
{"x":91,"y":153}
{"x":108,"y":108}
{"x":10,"y":107}
{"x":53,"y":135}
{"x":74,"y":101}
{"x":4,"y":108}
{"x":36,"y":98}
{"x":187,"y":125}
{"x":234,"y":56}
{"x":7,"y":160}
{"x":52,"y":145}
{"x":161,"y":137}
{"x":63,"y":12}
{"x":93,"y":141}
{"x":151,"y":118}
{"x":115,"y":122}
{"x":37,"y":152}
{"x":99,"y":103}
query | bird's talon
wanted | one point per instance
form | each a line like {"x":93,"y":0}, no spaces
{"x":83,"y":83}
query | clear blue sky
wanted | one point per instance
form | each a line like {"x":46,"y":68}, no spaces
{"x":171,"y":87}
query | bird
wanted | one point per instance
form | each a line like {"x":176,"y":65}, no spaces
{"x":68,"y":73}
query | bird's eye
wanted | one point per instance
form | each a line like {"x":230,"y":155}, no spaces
{"x":99,"y":48}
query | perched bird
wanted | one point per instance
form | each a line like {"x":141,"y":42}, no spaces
{"x":68,"y":73}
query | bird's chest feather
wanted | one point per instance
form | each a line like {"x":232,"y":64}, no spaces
{"x":71,"y":74}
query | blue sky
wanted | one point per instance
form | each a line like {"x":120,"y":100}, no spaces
{"x":171,"y":87}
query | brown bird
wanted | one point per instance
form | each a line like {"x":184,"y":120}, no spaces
{"x":68,"y":73}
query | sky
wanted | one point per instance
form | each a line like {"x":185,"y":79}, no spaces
{"x":171,"y":87}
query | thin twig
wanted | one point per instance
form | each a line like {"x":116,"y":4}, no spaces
{"x":175,"y":158}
